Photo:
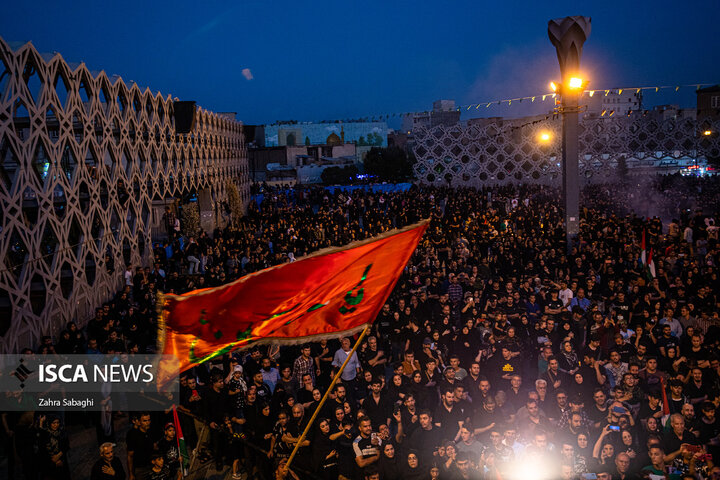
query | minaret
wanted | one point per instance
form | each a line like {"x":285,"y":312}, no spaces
{"x":342,"y":134}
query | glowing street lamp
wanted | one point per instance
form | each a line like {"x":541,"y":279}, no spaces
{"x":545,"y":137}
{"x":575,"y":83}
{"x":707,"y":133}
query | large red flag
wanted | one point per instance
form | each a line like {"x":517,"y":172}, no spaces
{"x":333,"y":291}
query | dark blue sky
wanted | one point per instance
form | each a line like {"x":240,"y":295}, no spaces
{"x":346,"y":59}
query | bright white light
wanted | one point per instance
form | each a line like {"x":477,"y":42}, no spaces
{"x":531,"y":469}
{"x":575,"y":82}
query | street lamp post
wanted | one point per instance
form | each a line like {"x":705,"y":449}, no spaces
{"x":567,"y":36}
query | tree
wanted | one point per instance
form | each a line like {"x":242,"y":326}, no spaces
{"x":234,"y":201}
{"x":339,"y":175}
{"x":307,"y":140}
{"x":191,"y":219}
{"x":390,"y":164}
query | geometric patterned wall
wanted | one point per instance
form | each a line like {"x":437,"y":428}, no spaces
{"x":512,"y":153}
{"x":82,"y":159}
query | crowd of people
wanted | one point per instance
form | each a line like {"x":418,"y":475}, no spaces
{"x":499,"y":355}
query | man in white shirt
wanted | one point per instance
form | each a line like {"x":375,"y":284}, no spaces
{"x":351,"y":369}
{"x":565,"y":294}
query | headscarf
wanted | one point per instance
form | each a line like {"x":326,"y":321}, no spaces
{"x":571,"y":356}
{"x":416,"y":473}
{"x":389,"y":467}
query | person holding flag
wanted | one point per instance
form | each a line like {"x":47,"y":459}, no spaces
{"x":183,"y":458}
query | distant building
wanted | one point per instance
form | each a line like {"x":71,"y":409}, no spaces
{"x":506,"y":122}
{"x":708,"y":103}
{"x":484,"y":122}
{"x":301,"y":163}
{"x":444,"y":112}
{"x":398,"y":138}
{"x":614,"y":103}
{"x":254,"y":135}
{"x":666,"y":112}
{"x":360,"y":133}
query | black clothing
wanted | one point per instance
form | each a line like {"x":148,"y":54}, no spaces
{"x":141,"y":444}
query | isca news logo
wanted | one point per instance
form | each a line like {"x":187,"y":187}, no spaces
{"x":22,"y":373}
{"x":108,"y":373}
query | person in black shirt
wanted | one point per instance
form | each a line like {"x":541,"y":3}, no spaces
{"x":651,"y":407}
{"x":216,"y":406}
{"x":677,"y":436}
{"x":168,"y":448}
{"x":708,"y":425}
{"x":376,"y":405}
{"x":158,"y":471}
{"x":448,"y":417}
{"x":263,"y":391}
{"x":140,"y":447}
{"x":554,"y":305}
{"x":504,"y":366}
{"x":426,"y":438}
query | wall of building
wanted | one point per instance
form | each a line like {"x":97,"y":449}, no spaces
{"x":500,"y":151}
{"x":84,"y":163}
{"x":708,"y":103}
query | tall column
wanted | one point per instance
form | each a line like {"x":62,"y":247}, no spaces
{"x":568,"y":36}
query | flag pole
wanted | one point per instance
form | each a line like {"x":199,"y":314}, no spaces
{"x":325,"y":397}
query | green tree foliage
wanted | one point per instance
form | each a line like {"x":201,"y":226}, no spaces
{"x":234,"y":201}
{"x":307,"y":140}
{"x":190,"y":219}
{"x":390,"y":164}
{"x":339,"y":175}
{"x":373,"y":140}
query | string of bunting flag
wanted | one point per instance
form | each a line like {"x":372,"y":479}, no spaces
{"x":589,"y":93}
{"x":533,"y":98}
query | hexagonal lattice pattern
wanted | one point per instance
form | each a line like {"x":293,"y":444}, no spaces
{"x":510,"y":152}
{"x":82,"y":157}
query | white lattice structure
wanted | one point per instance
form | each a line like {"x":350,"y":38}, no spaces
{"x":82,"y":157}
{"x":512,"y":152}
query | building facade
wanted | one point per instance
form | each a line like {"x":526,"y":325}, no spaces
{"x":302,"y":164}
{"x":360,"y":133}
{"x":86,"y":164}
{"x":443,"y":112}
{"x":708,"y":103}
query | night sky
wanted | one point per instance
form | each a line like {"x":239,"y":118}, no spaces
{"x":319,"y":60}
